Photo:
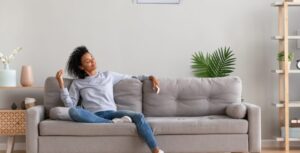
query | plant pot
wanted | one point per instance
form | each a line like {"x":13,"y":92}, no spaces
{"x":8,"y":78}
{"x":26,"y":76}
{"x":29,"y":102}
{"x":281,"y":65}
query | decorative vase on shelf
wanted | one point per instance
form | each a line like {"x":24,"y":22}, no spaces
{"x":8,"y":77}
{"x":26,"y":76}
{"x":13,"y":106}
{"x":281,"y":65}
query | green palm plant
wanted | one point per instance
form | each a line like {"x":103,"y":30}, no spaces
{"x":218,"y":64}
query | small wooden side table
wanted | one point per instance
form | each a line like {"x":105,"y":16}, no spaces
{"x":12,"y":123}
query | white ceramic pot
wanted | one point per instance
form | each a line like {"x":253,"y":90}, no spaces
{"x":8,"y":78}
{"x":281,"y":65}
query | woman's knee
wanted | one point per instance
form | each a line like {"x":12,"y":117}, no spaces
{"x":73,"y":112}
{"x":60,"y":113}
{"x":138,"y":116}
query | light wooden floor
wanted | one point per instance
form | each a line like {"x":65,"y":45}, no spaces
{"x":263,"y":151}
{"x":280,"y":151}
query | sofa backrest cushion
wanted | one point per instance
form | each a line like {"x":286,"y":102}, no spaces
{"x":191,"y":96}
{"x":127,"y":94}
{"x":52,"y":93}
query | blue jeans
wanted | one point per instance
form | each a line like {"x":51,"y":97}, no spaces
{"x":143,"y":128}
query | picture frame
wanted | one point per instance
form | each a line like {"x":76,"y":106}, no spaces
{"x":158,"y":1}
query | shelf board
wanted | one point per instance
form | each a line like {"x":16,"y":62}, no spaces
{"x":281,"y":71}
{"x":291,"y":104}
{"x":278,"y":4}
{"x":280,"y":139}
{"x":20,"y":87}
{"x":10,"y":110}
{"x":289,"y":37}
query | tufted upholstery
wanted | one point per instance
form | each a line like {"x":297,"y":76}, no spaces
{"x":191,"y":96}
{"x":213,"y":124}
{"x":128,"y":95}
{"x":190,"y":112}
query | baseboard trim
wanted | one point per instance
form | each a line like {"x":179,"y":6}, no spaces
{"x":18,"y":146}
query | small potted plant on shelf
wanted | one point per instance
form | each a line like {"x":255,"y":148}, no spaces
{"x":280,"y":58}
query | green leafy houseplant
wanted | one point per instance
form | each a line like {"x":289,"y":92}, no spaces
{"x":280,"y":56}
{"x":218,"y":64}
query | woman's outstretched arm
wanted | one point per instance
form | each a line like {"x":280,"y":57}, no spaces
{"x":117,"y":77}
{"x":69,"y":97}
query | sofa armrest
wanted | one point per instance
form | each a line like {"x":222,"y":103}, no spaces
{"x":34,"y":116}
{"x":254,"y":120}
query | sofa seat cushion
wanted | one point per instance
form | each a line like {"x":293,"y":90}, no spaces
{"x":215,"y":124}
{"x":57,"y":127}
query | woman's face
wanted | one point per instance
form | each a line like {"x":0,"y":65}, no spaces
{"x":88,"y":62}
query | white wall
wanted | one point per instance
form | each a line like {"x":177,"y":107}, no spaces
{"x":147,"y":39}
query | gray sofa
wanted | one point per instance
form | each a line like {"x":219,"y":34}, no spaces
{"x":187,"y":116}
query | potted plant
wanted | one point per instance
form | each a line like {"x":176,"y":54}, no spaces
{"x":218,"y":64}
{"x":280,"y":58}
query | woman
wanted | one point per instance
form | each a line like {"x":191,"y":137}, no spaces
{"x":96,"y":90}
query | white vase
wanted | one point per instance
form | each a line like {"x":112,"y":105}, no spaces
{"x":6,"y":66}
{"x":26,"y":79}
{"x":8,"y":77}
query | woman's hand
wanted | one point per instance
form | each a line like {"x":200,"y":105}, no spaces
{"x":59,"y":78}
{"x":155,"y":84}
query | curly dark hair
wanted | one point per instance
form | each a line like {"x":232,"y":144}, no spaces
{"x":75,"y":61}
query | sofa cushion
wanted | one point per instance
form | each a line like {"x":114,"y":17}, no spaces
{"x":191,"y":96}
{"x":57,"y":127}
{"x":236,"y":110}
{"x":161,"y":126}
{"x":215,"y":124}
{"x":127,"y":94}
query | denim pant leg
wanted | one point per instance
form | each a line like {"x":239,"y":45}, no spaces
{"x":82,"y":115}
{"x":143,"y":128}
